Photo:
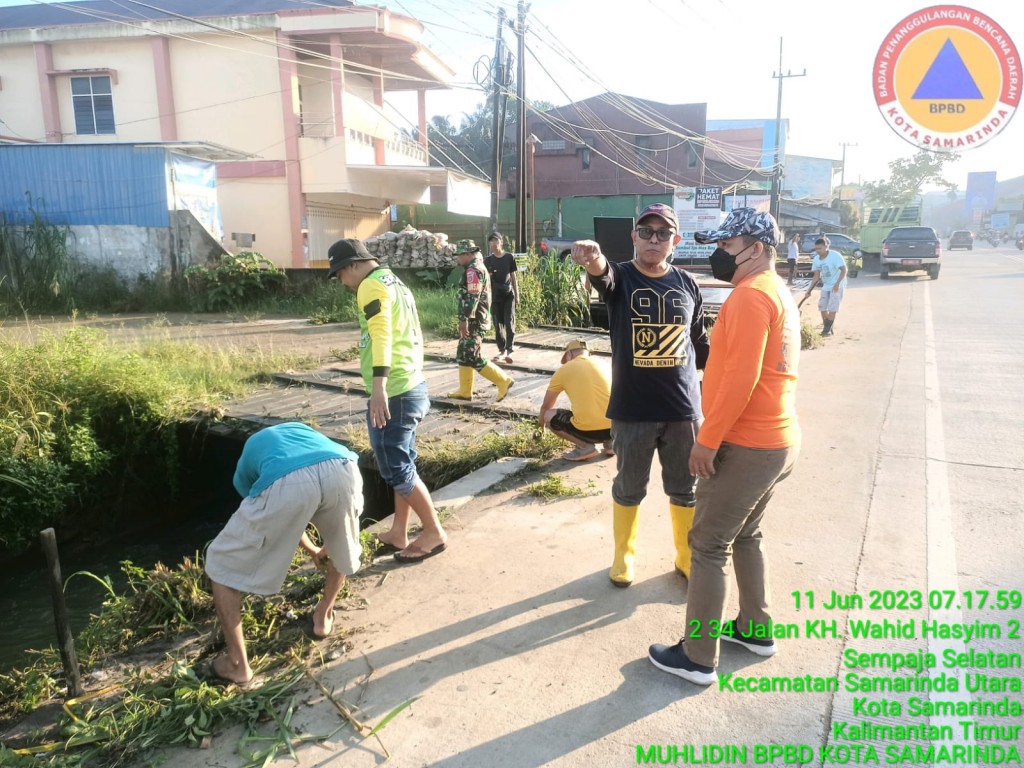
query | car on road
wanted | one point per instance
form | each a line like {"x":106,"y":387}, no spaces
{"x":961,"y":238}
{"x":909,"y":249}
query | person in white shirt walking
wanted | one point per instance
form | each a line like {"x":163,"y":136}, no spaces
{"x":792,"y":254}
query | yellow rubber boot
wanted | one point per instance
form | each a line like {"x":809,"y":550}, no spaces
{"x":499,"y":378}
{"x":465,"y":390}
{"x":682,"y":521}
{"x":624,"y":526}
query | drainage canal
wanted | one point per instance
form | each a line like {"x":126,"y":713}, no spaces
{"x":206,"y":500}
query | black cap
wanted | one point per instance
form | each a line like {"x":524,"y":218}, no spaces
{"x":344,"y":252}
{"x":494,"y":236}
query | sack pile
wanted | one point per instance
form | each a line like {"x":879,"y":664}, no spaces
{"x":412,"y":248}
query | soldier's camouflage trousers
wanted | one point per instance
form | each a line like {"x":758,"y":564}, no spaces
{"x":468,"y":351}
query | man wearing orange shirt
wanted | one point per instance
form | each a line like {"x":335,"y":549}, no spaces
{"x":747,"y":444}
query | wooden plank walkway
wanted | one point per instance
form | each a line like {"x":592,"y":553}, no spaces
{"x":334,"y":399}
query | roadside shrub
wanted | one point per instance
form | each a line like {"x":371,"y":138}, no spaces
{"x":552,"y":293}
{"x":36,"y":269}
{"x":101,"y":288}
{"x":238,"y":280}
{"x":35,"y":490}
{"x":331,"y":303}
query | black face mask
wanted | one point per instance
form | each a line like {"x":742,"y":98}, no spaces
{"x":723,"y":263}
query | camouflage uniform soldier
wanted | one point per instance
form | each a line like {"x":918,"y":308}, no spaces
{"x":474,"y":319}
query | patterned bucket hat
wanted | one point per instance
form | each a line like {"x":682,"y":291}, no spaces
{"x":743,"y":221}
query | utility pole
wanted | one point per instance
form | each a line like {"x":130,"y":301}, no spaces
{"x":523,"y":8}
{"x":842,"y":168}
{"x":777,"y":174}
{"x":498,"y":85}
{"x":533,"y":141}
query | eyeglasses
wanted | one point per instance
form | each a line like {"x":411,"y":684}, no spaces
{"x":645,"y":233}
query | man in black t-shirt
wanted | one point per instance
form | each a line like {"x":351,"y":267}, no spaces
{"x":504,"y":297}
{"x":656,"y":318}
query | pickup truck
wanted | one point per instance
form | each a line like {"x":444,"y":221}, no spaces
{"x":909,"y":249}
{"x":553,"y":246}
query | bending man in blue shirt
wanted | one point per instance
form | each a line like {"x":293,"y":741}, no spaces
{"x":289,"y":475}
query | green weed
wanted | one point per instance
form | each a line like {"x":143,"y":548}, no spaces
{"x":552,"y":293}
{"x":810,"y":336}
{"x":38,"y":268}
{"x":552,"y":487}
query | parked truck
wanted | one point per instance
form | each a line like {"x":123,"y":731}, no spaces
{"x":877,"y":222}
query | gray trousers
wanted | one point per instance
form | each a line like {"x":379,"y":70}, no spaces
{"x":730,"y":507}
{"x":635,"y":443}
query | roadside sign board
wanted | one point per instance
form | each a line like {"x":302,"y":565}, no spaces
{"x":947,"y":78}
{"x":709,"y":198}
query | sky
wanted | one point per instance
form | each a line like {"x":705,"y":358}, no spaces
{"x":724,"y":53}
{"x":720,"y":52}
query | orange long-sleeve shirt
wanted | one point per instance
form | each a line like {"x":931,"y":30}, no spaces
{"x":750,"y":380}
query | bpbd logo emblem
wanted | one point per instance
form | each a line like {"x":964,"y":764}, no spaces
{"x":947,"y":78}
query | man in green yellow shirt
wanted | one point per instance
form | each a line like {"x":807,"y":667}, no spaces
{"x":391,"y":360}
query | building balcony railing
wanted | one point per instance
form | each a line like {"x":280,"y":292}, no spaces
{"x":397,"y":151}
{"x":317,"y":126}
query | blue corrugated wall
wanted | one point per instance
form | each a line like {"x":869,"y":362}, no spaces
{"x":85,"y":183}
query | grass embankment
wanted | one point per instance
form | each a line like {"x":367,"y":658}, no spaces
{"x":87,"y":424}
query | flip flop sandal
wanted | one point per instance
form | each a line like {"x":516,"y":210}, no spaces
{"x":209,"y":675}
{"x":424,"y":554}
{"x":381,"y":547}
{"x":309,"y":631}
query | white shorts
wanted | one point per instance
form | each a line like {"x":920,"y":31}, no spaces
{"x":255,"y":549}
{"x":829,"y":301}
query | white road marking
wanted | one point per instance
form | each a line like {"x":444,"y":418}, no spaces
{"x":942,"y":567}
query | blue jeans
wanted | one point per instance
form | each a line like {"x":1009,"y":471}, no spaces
{"x":394,"y":445}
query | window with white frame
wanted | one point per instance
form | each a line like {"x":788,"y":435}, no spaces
{"x":93,"y":103}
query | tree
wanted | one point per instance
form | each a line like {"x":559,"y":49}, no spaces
{"x":469,"y":146}
{"x":849,"y":215}
{"x":908,"y":176}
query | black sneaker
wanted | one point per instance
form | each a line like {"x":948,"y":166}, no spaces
{"x":762,"y":646}
{"x":673,"y":659}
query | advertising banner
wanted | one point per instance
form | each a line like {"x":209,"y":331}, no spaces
{"x":708,"y":198}
{"x":689,"y":222}
{"x":684,"y":199}
{"x":194,"y":188}
{"x":469,"y":196}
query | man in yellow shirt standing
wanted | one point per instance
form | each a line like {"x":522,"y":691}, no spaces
{"x":587,"y":382}
{"x":748,"y":443}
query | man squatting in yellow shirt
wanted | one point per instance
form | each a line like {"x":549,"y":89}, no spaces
{"x":587,"y":382}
